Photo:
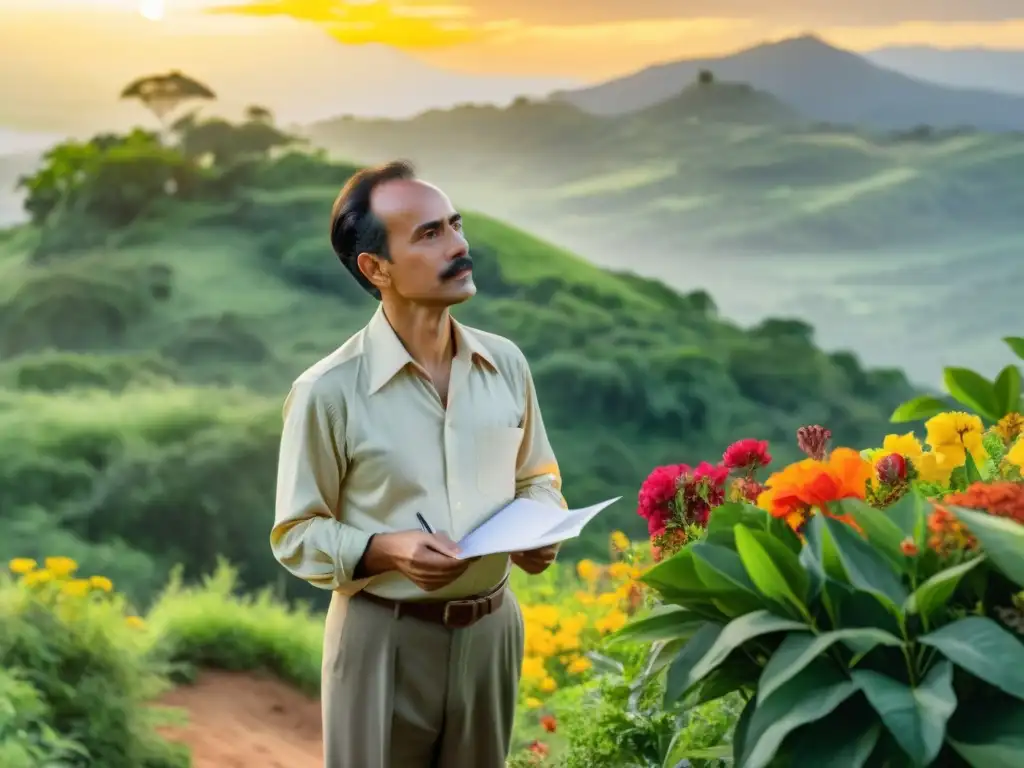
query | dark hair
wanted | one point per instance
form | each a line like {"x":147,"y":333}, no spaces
{"x":354,"y":228}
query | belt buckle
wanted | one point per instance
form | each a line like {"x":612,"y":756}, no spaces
{"x":448,"y":620}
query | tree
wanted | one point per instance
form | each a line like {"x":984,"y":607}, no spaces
{"x":257,"y":114}
{"x":162,"y":94}
{"x":706,"y":77}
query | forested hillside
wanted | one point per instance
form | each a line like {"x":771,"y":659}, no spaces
{"x":154,"y":313}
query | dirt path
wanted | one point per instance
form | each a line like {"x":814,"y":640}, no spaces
{"x":242,"y":720}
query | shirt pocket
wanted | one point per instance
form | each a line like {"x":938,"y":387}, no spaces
{"x":497,"y":454}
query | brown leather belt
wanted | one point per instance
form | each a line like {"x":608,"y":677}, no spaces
{"x":454,"y":614}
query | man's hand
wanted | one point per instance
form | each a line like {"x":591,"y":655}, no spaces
{"x":536,"y":561}
{"x":426,"y":559}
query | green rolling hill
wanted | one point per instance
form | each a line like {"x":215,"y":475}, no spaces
{"x":866,"y":234}
{"x":143,"y":365}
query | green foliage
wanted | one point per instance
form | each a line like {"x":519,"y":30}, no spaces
{"x":26,"y":738}
{"x":855,"y":649}
{"x":989,"y":399}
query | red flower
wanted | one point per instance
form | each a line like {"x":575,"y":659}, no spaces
{"x":747,"y":454}
{"x":656,"y":498}
{"x":891,"y":469}
{"x":548,"y":723}
{"x":700,"y":491}
{"x":745,"y":489}
{"x":539,"y":748}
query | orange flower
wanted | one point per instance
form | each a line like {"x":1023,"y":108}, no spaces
{"x":1001,"y":499}
{"x":795,"y":492}
{"x":947,"y":533}
{"x":548,"y":723}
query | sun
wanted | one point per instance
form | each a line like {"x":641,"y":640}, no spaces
{"x":151,"y":9}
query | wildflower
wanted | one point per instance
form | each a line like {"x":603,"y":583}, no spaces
{"x":612,"y":622}
{"x":588,"y":570}
{"x":745,"y":489}
{"x":135,"y":622}
{"x":955,"y":434}
{"x":1000,"y":499}
{"x":891,"y":469}
{"x":548,"y":723}
{"x":533,"y":668}
{"x":76,"y":588}
{"x":793,"y":493}
{"x":657,"y":496}
{"x":533,"y":703}
{"x":36,"y":578}
{"x":908,"y":547}
{"x":1010,"y":427}
{"x":61,"y":567}
{"x":700,"y":491}
{"x":906,"y":445}
{"x":548,"y":685}
{"x":934,"y":467}
{"x":747,"y":454}
{"x":620,"y":541}
{"x":1016,"y":454}
{"x":101,"y":583}
{"x":22,"y":565}
{"x":539,"y":748}
{"x":947,"y":533}
{"x":813,"y":440}
{"x":579,"y":664}
{"x":620,"y":570}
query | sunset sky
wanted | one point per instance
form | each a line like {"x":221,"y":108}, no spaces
{"x":590,"y":39}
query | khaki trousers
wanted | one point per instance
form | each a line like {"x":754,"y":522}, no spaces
{"x":406,"y":693}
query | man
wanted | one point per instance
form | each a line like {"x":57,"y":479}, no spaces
{"x":394,"y":447}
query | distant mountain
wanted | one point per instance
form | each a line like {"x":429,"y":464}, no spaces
{"x":296,"y":70}
{"x":734,"y":103}
{"x":985,"y":68}
{"x":819,"y":80}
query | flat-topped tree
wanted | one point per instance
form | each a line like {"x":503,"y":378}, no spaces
{"x":162,"y":94}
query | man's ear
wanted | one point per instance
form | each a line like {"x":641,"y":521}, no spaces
{"x":374,"y":269}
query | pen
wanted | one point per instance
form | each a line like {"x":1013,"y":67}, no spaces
{"x":424,"y":524}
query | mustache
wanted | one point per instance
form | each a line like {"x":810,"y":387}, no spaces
{"x":460,"y":264}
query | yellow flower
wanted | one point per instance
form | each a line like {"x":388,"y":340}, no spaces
{"x":588,"y":570}
{"x":613,"y":622}
{"x":578,"y":665}
{"x":35,"y":578}
{"x":61,"y":567}
{"x":609,"y":598}
{"x":22,"y":565}
{"x":134,"y":622}
{"x":585,"y":598}
{"x":906,"y":445}
{"x":1009,"y":427}
{"x":955,"y":433}
{"x":1016,"y":454}
{"x":935,"y":467}
{"x":533,"y":668}
{"x":76,"y":588}
{"x":533,"y":703}
{"x":620,"y":541}
{"x":548,"y":684}
{"x":619,"y":570}
{"x":102,"y":583}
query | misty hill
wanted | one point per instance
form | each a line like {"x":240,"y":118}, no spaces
{"x":979,"y":68}
{"x":147,"y":343}
{"x":822,"y":82}
{"x":863,"y":233}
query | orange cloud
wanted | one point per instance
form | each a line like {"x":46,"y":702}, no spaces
{"x":405,"y":25}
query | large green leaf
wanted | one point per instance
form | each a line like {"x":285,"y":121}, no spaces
{"x":673,"y":573}
{"x":1002,"y":540}
{"x":885,"y":535}
{"x":973,"y":390}
{"x":989,"y":737}
{"x":679,"y":753}
{"x":779,"y":530}
{"x":809,"y":696}
{"x":775,"y":571}
{"x":799,"y":649}
{"x":916,"y":717}
{"x":986,"y":650}
{"x":1016,"y":343}
{"x":864,"y":567}
{"x":665,"y":622}
{"x":678,"y":679}
{"x":844,"y":739}
{"x":1007,"y":389}
{"x":685,"y":673}
{"x":724,"y":518}
{"x":720,"y":569}
{"x":735,"y":673}
{"x":821,"y":544}
{"x":932,"y":594}
{"x":908,"y":514}
{"x":918,"y":409}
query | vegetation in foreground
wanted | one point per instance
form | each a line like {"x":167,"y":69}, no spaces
{"x":171,"y":286}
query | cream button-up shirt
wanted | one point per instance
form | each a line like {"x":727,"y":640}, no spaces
{"x":367,"y":444}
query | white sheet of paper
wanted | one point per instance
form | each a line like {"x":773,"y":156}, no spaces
{"x":526,"y":524}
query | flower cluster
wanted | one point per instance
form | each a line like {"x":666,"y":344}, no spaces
{"x":55,"y":581}
{"x":677,"y":499}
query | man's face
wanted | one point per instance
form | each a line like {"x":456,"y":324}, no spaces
{"x":430,"y":261}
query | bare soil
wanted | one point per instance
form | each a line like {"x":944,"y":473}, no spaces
{"x":243,"y":720}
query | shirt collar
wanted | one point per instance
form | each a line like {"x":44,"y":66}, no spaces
{"x":388,"y":356}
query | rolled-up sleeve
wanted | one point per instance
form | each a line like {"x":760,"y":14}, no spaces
{"x":308,"y":538}
{"x":537,"y":474}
